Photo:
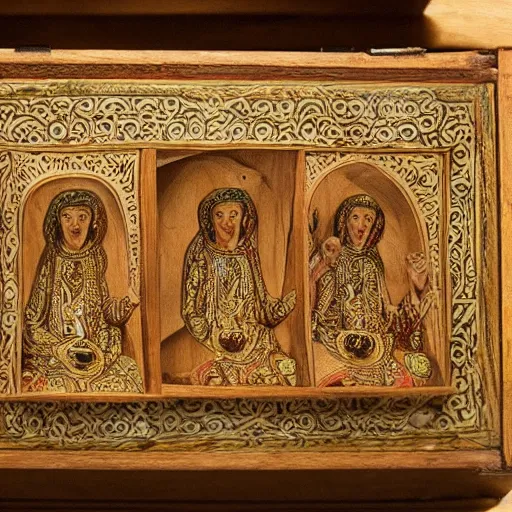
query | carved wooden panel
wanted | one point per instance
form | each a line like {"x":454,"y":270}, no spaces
{"x":391,"y":331}
{"x":434,"y":141}
{"x":231,"y":305}
{"x":56,"y":290}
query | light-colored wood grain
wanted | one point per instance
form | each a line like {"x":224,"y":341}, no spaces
{"x":230,"y":392}
{"x":150,"y":288}
{"x":482,"y":460}
{"x":505,"y":142}
{"x":295,"y":264}
{"x":461,"y":61}
{"x":85,"y":397}
{"x":102,"y":64}
{"x":277,"y":393}
{"x":473,"y":24}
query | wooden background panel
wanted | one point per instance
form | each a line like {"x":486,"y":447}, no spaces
{"x":227,"y":24}
{"x":135,"y":7}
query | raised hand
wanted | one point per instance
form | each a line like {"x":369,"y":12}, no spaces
{"x":417,"y":270}
{"x":290,"y":299}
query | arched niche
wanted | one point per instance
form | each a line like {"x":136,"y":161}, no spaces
{"x":115,"y":243}
{"x":183,"y":180}
{"x":404,"y":233}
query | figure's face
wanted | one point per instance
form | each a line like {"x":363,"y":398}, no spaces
{"x":74,"y":222}
{"x":227,"y":219}
{"x":359,"y":224}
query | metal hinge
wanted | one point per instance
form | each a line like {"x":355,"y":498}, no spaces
{"x":412,"y":50}
{"x":33,"y":49}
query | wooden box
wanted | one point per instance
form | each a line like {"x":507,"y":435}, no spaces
{"x":357,"y":304}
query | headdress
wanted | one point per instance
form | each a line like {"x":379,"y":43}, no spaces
{"x":228,"y":195}
{"x":344,"y":211}
{"x":98,"y":226}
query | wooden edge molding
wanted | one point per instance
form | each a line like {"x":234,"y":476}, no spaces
{"x":505,"y":176}
{"x":470,"y":66}
{"x":173,"y":391}
{"x":151,"y":302}
{"x":454,"y":505}
{"x":176,"y":391}
{"x":18,"y":459}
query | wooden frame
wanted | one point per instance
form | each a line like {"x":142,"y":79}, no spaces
{"x":433,"y":69}
{"x":505,"y":141}
{"x":482,"y":460}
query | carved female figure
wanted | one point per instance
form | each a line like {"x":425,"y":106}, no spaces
{"x":72,"y":336}
{"x":376,"y":343}
{"x":225,"y":303}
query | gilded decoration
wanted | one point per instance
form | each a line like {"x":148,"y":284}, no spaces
{"x":422,"y":120}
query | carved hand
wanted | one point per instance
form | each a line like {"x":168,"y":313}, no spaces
{"x":199,"y":327}
{"x":290,"y":299}
{"x":417,"y":270}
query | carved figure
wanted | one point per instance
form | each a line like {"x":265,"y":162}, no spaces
{"x":72,"y":336}
{"x":225,"y":303}
{"x":375,"y":342}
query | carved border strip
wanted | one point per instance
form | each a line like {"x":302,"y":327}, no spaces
{"x":317,"y":115}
